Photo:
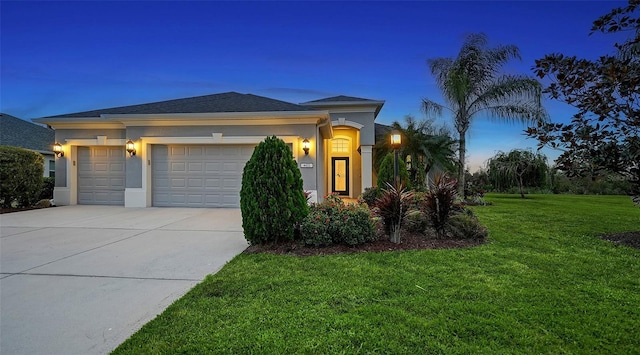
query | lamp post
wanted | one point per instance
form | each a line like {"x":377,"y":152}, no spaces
{"x":396,"y":141}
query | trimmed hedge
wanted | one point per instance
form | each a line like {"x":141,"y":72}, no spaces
{"x":21,"y":173}
{"x":272,"y":199}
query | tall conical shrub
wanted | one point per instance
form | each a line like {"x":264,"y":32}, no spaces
{"x":272,"y":198}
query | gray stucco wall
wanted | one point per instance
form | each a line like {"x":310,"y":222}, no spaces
{"x":367,"y":119}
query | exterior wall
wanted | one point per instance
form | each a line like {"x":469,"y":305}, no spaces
{"x":138,"y":172}
{"x":366,"y":119}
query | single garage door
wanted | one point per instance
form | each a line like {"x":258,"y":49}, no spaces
{"x":101,"y":175}
{"x":198,"y":175}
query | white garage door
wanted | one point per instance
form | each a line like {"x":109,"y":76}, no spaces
{"x":101,"y":175}
{"x":198,"y":175}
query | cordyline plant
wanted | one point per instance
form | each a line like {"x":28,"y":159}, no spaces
{"x":393,"y":205}
{"x":440,"y":201}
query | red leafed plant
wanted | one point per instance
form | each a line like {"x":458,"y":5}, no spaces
{"x":393,"y":205}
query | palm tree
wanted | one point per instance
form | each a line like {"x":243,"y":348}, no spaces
{"x":472,"y":84}
{"x":427,"y":145}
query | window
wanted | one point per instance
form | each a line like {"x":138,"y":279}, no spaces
{"x":52,"y":168}
{"x":340,"y":145}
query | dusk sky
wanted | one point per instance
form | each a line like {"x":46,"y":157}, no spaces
{"x":64,"y":57}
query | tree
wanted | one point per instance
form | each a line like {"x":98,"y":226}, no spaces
{"x":272,"y":200}
{"x":518,"y":167}
{"x":427,"y":145}
{"x":386,"y":172}
{"x":472,"y":85}
{"x":603,"y":136}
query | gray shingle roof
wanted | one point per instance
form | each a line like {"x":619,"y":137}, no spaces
{"x":340,"y":98}
{"x":224,"y":102}
{"x":20,"y":133}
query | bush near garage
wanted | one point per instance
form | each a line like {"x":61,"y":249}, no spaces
{"x":21,"y":173}
{"x":272,"y":199}
{"x":48,"y":183}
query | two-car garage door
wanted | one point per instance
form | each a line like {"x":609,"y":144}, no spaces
{"x":198,"y":175}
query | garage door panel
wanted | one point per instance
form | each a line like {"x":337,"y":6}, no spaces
{"x":198,"y":176}
{"x":101,"y":175}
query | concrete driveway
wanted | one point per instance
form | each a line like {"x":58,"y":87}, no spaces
{"x":82,"y":279}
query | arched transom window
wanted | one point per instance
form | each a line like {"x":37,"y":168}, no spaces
{"x":340,"y":145}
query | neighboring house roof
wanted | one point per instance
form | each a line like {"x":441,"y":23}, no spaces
{"x":224,"y":102}
{"x":382,"y":131}
{"x":20,"y":133}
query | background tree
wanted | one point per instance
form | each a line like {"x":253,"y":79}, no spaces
{"x":603,"y":136}
{"x":521,"y":168}
{"x":428,"y":146}
{"x":472,"y":84}
{"x":386,"y":173}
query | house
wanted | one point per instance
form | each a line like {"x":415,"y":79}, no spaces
{"x":20,"y":133}
{"x":191,"y":152}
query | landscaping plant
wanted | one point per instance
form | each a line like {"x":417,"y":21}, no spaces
{"x":440,"y":201}
{"x":334,"y":222}
{"x":386,"y":173}
{"x":392,"y":206}
{"x":21,"y":173}
{"x":272,"y":200}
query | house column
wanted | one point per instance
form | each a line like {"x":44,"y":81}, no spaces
{"x":366,"y":152}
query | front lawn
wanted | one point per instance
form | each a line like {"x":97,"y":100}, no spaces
{"x":544,"y":283}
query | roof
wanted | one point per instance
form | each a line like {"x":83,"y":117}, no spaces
{"x":341,"y":98}
{"x":20,"y":133}
{"x":224,"y":102}
{"x":342,"y":101}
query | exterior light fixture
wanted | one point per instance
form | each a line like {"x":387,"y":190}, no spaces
{"x":57,"y":148}
{"x":305,"y":146}
{"x":396,"y":142}
{"x":396,"y":139}
{"x":131,"y":148}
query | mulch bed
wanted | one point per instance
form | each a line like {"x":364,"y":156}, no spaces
{"x":407,"y":242}
{"x":630,"y":239}
{"x":11,"y":210}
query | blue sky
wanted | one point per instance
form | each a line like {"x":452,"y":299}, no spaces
{"x":63,"y":57}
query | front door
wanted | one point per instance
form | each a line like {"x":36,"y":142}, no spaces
{"x":340,"y":177}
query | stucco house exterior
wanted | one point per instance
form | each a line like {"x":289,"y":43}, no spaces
{"x":191,"y":152}
{"x":16,"y":132}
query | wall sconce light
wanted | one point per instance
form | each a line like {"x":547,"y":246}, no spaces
{"x":131,"y":148}
{"x":57,"y":148}
{"x":396,"y":139}
{"x":305,"y":146}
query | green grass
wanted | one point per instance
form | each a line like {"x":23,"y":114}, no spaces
{"x":542,"y":284}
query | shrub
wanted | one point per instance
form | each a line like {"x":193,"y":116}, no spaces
{"x":20,"y":176}
{"x":333,"y":222}
{"x":440,"y":201}
{"x":44,"y":203}
{"x":272,"y":200}
{"x":370,"y":195}
{"x":393,"y":206}
{"x":314,"y":228}
{"x":466,"y":226}
{"x":386,"y":174}
{"x":48,"y":183}
{"x":416,"y":221}
{"x":356,"y":226}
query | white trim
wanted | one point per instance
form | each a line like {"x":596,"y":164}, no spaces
{"x":343,"y":122}
{"x":135,"y":197}
{"x":96,"y":141}
{"x":366,"y":157}
{"x":62,"y":196}
{"x":216,"y":138}
{"x":348,"y":154}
